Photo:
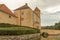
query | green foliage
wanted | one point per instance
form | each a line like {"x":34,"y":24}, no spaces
{"x":20,"y":32}
{"x":7,"y":25}
{"x":10,"y":29}
{"x":45,"y":35}
{"x":55,"y":27}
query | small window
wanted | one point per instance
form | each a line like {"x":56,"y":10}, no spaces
{"x":22,"y":13}
{"x":37,"y":26}
{"x":9,"y":16}
{"x":37,"y":22}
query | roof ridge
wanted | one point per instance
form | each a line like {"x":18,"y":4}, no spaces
{"x":23,"y":7}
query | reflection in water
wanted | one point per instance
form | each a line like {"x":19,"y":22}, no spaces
{"x":51,"y":38}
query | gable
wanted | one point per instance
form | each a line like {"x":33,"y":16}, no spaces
{"x":23,"y":7}
{"x":6,"y":10}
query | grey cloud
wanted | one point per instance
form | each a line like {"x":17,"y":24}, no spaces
{"x":55,"y":13}
{"x":47,"y":19}
{"x":43,"y":4}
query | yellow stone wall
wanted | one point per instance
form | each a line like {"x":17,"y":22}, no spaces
{"x":26,"y":17}
{"x":17,"y":13}
{"x":4,"y":18}
{"x":37,"y":18}
{"x":36,"y":21}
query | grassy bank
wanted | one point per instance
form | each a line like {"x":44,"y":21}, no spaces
{"x":9,"y":29}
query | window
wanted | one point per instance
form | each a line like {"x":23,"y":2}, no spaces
{"x":37,"y":26}
{"x":22,"y":13}
{"x":9,"y":16}
{"x":37,"y":22}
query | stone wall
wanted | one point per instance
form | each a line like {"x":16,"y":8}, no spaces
{"x":20,"y":37}
{"x":4,"y":18}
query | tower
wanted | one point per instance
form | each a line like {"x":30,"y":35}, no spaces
{"x":37,"y":18}
{"x":37,"y":11}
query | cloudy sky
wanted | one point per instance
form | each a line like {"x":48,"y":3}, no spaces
{"x":50,"y":9}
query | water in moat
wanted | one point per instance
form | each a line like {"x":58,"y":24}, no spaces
{"x":51,"y":38}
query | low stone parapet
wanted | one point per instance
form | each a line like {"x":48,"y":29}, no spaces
{"x":20,"y":37}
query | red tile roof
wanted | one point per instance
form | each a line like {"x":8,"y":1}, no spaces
{"x":5,"y":9}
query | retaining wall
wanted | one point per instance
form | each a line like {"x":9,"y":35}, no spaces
{"x":20,"y":37}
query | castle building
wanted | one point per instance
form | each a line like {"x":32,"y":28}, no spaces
{"x":23,"y":16}
{"x":6,"y":16}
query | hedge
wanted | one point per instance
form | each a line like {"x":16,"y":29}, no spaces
{"x":20,"y":32}
{"x":45,"y":34}
{"x":10,"y":29}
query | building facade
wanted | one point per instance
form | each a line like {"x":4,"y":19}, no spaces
{"x":23,"y":16}
{"x":6,"y":16}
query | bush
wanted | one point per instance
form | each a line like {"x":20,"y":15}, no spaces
{"x":7,"y":29}
{"x":19,"y":32}
{"x":45,"y":34}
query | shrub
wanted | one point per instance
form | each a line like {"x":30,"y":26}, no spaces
{"x":20,"y":32}
{"x":4,"y":29}
{"x":45,"y":34}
